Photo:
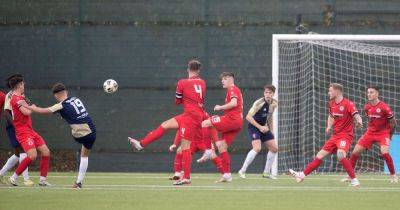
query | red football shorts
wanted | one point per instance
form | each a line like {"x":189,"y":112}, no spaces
{"x":368,"y":139}
{"x":227,"y":126}
{"x":189,"y":126}
{"x":336,"y":142}
{"x":30,"y":140}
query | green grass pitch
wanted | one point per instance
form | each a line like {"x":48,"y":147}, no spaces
{"x":154,"y":191}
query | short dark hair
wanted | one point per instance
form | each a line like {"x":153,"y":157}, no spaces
{"x":270,"y":87}
{"x":377,"y":88}
{"x":194,"y":65}
{"x":58,"y":87}
{"x":226,"y":74}
{"x":15,"y":80}
{"x":11,"y":77}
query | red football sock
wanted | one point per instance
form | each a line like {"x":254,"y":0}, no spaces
{"x":347,"y":166}
{"x":178,"y":162}
{"x":226,"y":162}
{"x":23,"y":165}
{"x":312,"y":166}
{"x":152,"y":136}
{"x":44,"y":165}
{"x":353,"y":160}
{"x":186,"y":163}
{"x":218,"y":163}
{"x":389,"y":163}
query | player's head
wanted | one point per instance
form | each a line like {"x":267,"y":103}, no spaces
{"x":269,"y":91}
{"x":227,"y":79}
{"x":372,"y":93}
{"x":194,"y":66}
{"x":335,"y":90}
{"x":11,"y":77}
{"x":60,"y":92}
{"x":16,"y":83}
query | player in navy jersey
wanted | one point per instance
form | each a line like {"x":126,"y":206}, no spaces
{"x":74,"y":112}
{"x":260,"y":131}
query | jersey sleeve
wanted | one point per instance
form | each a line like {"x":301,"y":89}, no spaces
{"x":256,"y":107}
{"x":389,"y":113}
{"x":17,"y":102}
{"x":56,"y":107}
{"x":179,"y":92}
{"x":351,"y":107}
{"x":233,"y":93}
{"x":273,"y":106}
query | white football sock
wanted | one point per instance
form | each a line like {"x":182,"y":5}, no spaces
{"x":11,"y":162}
{"x":25,"y":174}
{"x":249,"y":159}
{"x":270,"y":160}
{"x":82,"y":169}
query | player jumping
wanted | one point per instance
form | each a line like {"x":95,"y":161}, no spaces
{"x":190,"y":93}
{"x":381,"y":126}
{"x":260,"y":131}
{"x":30,"y":141}
{"x":342,"y":112}
{"x":76,"y":115}
{"x":230,"y":124}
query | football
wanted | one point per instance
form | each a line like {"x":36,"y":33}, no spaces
{"x":110,"y":86}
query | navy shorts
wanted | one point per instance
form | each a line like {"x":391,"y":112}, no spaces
{"x":87,"y":141}
{"x":11,"y":136}
{"x":255,"y":134}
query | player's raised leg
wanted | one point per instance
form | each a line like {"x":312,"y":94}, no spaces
{"x":154,"y":135}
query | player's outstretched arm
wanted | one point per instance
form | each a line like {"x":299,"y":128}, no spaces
{"x":232,"y":104}
{"x":39,"y":110}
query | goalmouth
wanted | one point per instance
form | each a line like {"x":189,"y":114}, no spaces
{"x":303,"y":65}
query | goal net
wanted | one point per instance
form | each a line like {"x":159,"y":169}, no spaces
{"x":303,"y":67}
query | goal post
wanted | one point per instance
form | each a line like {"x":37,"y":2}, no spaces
{"x":303,"y":65}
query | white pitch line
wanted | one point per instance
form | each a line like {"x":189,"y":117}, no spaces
{"x":208,"y":188}
{"x":206,"y":178}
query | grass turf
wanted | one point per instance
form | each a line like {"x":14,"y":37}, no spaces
{"x":154,"y":191}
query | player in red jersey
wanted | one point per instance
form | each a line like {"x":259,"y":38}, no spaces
{"x":30,"y":141}
{"x":190,"y":94}
{"x":229,"y":125}
{"x":342,"y":112}
{"x":380,"y":129}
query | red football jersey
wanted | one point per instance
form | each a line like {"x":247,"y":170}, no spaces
{"x":2,"y":100}
{"x":342,"y":113}
{"x":22,"y":123}
{"x":378,"y":116}
{"x":236,"y":112}
{"x":190,"y":93}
